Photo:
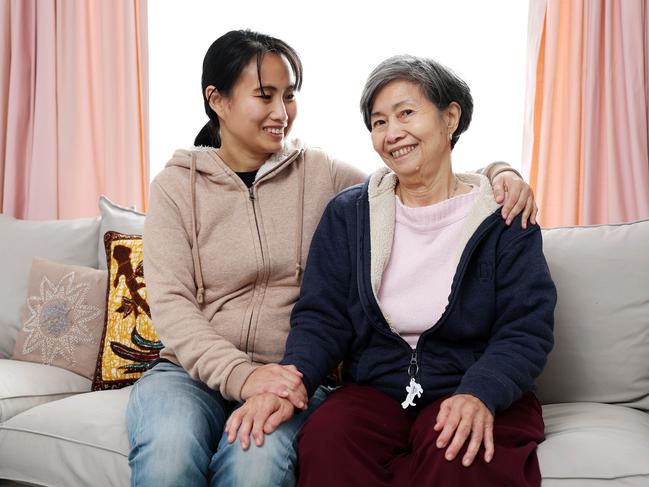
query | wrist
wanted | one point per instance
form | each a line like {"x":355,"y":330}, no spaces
{"x":501,"y":170}
{"x":239,"y":382}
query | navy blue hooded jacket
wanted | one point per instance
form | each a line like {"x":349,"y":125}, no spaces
{"x":491,"y":342}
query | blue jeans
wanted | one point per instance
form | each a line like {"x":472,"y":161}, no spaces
{"x":175,"y":430}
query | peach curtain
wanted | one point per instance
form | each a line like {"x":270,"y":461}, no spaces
{"x":586,"y":148}
{"x":73,"y":106}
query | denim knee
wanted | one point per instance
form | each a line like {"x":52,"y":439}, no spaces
{"x":174,"y":424}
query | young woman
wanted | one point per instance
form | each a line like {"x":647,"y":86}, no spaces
{"x":226,"y":238}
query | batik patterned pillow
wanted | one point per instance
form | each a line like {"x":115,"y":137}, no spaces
{"x":62,"y":321}
{"x":129,"y":342}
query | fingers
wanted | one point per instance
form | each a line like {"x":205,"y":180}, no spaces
{"x":489,"y":440}
{"x":233,"y":424}
{"x":244,"y":431}
{"x":442,"y":416}
{"x":527,"y":212}
{"x":499,"y":192}
{"x":534,"y":213}
{"x":301,"y":397}
{"x":293,"y":369}
{"x":477,"y":434}
{"x":258,"y":422}
{"x":284,"y":413}
{"x":273,"y":421}
{"x":297,"y":398}
{"x":462,"y":432}
{"x":516,"y":201}
{"x":253,"y":423}
{"x":450,"y":425}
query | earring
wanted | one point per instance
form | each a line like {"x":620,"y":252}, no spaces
{"x":450,"y":136}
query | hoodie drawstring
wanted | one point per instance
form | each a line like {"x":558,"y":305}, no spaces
{"x":300,"y":223}
{"x":198,"y":271}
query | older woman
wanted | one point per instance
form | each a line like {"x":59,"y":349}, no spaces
{"x":442,"y":313}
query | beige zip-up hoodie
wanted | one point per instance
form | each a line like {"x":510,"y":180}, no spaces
{"x":223,"y":262}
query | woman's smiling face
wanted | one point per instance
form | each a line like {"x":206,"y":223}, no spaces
{"x":408,"y":131}
{"x":256,"y":118}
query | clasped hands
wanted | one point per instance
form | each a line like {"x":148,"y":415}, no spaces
{"x":271,"y":394}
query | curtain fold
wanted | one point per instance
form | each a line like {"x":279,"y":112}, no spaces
{"x":73,"y":106}
{"x":588,"y":104}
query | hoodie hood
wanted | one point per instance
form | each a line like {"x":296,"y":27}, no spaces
{"x":208,"y":162}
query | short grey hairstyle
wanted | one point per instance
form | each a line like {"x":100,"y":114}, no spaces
{"x":440,"y":85}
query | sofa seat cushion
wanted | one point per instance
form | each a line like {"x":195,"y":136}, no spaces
{"x":24,"y":385}
{"x":590,"y":442}
{"x":79,"y":440}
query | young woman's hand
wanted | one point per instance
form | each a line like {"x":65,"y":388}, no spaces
{"x":259,"y":415}
{"x":462,"y":416}
{"x":282,"y":380}
{"x":517,"y":197}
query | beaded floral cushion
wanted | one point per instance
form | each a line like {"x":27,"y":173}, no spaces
{"x":63,"y":318}
{"x":129,"y":343}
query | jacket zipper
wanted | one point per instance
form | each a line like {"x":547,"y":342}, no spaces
{"x":251,"y":195}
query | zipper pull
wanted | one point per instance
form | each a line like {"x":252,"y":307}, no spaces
{"x":413,"y":389}
{"x":251,"y":193}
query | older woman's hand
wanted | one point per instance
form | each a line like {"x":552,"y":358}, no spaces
{"x":282,"y":380}
{"x":259,"y":415}
{"x":459,"y":417}
{"x":517,"y":196}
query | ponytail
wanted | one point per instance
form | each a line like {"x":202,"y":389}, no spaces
{"x":208,"y":136}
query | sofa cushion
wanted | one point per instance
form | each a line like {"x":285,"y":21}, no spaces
{"x":65,"y":241}
{"x":129,"y":343}
{"x":63,"y":317}
{"x":118,"y":219}
{"x":84,"y":437}
{"x":601,"y":351}
{"x":24,"y":385}
{"x":589,"y":442}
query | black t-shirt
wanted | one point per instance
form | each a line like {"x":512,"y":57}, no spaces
{"x":247,"y":177}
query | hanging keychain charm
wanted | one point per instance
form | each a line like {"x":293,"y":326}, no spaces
{"x":413,"y":389}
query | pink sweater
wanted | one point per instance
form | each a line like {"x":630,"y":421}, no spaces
{"x":417,"y":280}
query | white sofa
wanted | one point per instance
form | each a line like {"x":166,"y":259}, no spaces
{"x":595,"y":388}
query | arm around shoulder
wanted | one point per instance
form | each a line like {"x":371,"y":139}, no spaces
{"x":344,"y":175}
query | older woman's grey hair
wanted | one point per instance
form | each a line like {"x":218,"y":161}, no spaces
{"x":440,"y":85}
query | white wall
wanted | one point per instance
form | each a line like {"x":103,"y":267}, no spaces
{"x":339,"y":43}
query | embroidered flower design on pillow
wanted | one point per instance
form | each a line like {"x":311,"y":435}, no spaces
{"x":58,"y":319}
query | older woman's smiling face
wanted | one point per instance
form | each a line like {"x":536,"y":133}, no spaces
{"x":408,"y":131}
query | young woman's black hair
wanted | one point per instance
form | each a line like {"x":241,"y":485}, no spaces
{"x":222,"y":66}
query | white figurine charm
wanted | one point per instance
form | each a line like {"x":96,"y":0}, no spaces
{"x":414,"y":390}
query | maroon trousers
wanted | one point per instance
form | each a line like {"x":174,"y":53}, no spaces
{"x":362,"y":437}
